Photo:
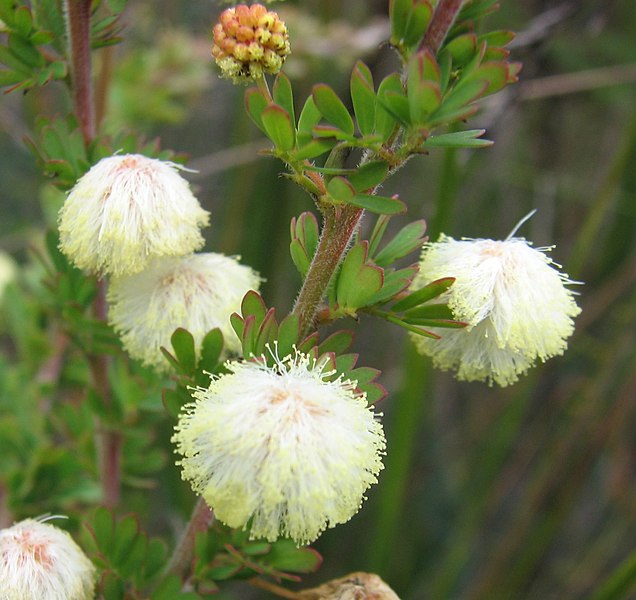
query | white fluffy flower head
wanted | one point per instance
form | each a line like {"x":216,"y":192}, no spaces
{"x":513,"y":298}
{"x":127,"y":210}
{"x":281,"y":450}
{"x":39,"y":561}
{"x":198,"y":292}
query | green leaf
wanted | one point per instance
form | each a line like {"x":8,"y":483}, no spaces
{"x":305,"y":229}
{"x":394,"y":283}
{"x":428,"y":292}
{"x":397,"y":105}
{"x":377,"y":234}
{"x":183,"y":345}
{"x":248,"y":341}
{"x":10,"y":77}
{"x":412,"y":328}
{"x":477,"y":9}
{"x":283,"y":95}
{"x":267,"y":333}
{"x":458,"y":139}
{"x":253,"y":305}
{"x":117,"y":6}
{"x":103,"y":530}
{"x":495,"y":74}
{"x":407,"y":240}
{"x":369,"y":175}
{"x":23,"y":21}
{"x":255,"y":103}
{"x":497,"y":38}
{"x":340,"y":189}
{"x":337,"y":342}
{"x":25,"y":51}
{"x":313,"y":148}
{"x":332,"y":108}
{"x":309,"y":117}
{"x":288,"y":332}
{"x":299,"y":257}
{"x":126,"y":532}
{"x":399,"y":13}
{"x":463,"y":48}
{"x":8,"y":59}
{"x":424,"y":98}
{"x":419,"y":19}
{"x":211,"y":349}
{"x":428,"y":311}
{"x":363,"y":98}
{"x":285,"y":556}
{"x":459,"y":97}
{"x":278,"y":127}
{"x":357,"y":280}
{"x":173,"y":400}
{"x":378,"y":204}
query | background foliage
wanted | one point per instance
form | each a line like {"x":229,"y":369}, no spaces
{"x":524,"y":492}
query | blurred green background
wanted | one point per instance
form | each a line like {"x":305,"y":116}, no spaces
{"x":526,"y":492}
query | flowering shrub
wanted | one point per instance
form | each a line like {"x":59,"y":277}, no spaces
{"x":276,"y":429}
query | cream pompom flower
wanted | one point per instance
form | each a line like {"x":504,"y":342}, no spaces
{"x":39,"y":561}
{"x":126,"y":210}
{"x":282,"y":450}
{"x":197,"y":292}
{"x":513,"y":298}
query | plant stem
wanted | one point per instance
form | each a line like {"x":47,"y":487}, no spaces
{"x":442,"y":20}
{"x":181,"y":561}
{"x":339,"y":225}
{"x":78,"y":15}
{"x":108,"y":441}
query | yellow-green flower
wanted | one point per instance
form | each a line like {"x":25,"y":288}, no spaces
{"x":249,"y":41}
{"x":282,"y":450}
{"x":197,"y":292}
{"x":513,"y":298}
{"x":127,"y":210}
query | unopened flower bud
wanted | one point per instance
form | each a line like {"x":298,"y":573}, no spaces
{"x":249,"y":41}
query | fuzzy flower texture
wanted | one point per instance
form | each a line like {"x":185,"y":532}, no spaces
{"x":282,"y":450}
{"x":125,"y":211}
{"x":198,"y":292}
{"x":513,"y":298}
{"x":248,"y":42}
{"x":41,"y":562}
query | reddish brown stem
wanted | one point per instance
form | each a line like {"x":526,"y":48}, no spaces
{"x":109,"y":441}
{"x":441,"y":22}
{"x":340,"y":224}
{"x":78,"y":14}
{"x":181,"y":561}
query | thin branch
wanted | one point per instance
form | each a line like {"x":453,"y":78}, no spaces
{"x":181,"y":561}
{"x":78,"y":14}
{"x":443,"y":18}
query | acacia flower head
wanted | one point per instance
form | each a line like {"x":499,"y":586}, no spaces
{"x":513,"y":298}
{"x":197,"y":292}
{"x":126,"y":210}
{"x":39,"y":561}
{"x":284,"y":450}
{"x":249,"y":41}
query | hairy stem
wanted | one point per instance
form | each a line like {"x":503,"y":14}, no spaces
{"x":181,"y":561}
{"x":78,"y":15}
{"x":443,"y":19}
{"x":340,"y":224}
